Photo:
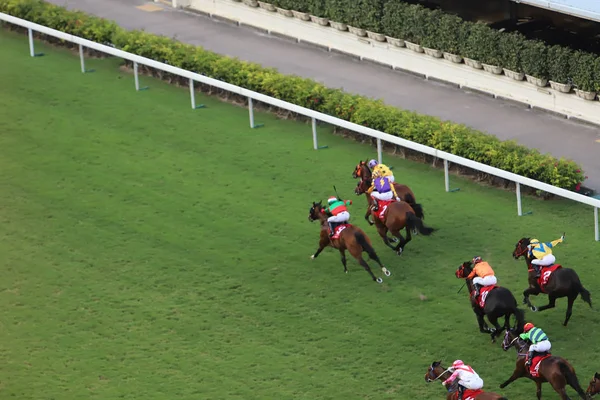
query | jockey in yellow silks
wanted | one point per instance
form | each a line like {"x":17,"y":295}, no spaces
{"x":543,"y":253}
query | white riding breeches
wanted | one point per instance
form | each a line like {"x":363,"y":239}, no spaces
{"x":382,"y":196}
{"x":391,"y":178}
{"x":487,"y":281}
{"x":541,"y":347}
{"x":344,"y":216}
{"x":472,"y":384}
{"x":547,"y":260}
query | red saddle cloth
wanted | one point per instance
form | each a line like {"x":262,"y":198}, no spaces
{"x":483,"y":293}
{"x":383,"y":206}
{"x":338,"y":229}
{"x":471,"y":394}
{"x":535,"y":365}
{"x":545,"y":275}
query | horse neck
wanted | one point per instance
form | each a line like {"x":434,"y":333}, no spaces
{"x":470,"y":285}
{"x":322,"y":218}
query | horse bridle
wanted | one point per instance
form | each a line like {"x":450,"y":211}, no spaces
{"x":519,"y":350}
{"x":431,"y":374}
{"x":523,"y":251}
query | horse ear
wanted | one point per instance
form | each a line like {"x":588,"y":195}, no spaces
{"x":597,"y":375}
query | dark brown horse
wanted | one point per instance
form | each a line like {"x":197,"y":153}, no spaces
{"x":564,"y":282}
{"x":352,"y":239}
{"x":398,"y":215}
{"x":594,"y":387}
{"x":499,"y":303}
{"x":436,"y":371}
{"x":555,"y":370}
{"x":363,"y":172}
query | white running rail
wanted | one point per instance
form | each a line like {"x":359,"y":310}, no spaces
{"x":314,"y":115}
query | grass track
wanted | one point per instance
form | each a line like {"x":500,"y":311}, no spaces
{"x":150,"y":251}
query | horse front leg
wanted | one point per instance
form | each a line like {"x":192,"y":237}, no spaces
{"x":518,"y":373}
{"x":323,"y":242}
{"x":530,"y":291}
{"x":495,"y":332}
{"x":367,"y":215}
{"x":382,"y":231}
{"x":551,"y":303}
{"x":483,"y":327}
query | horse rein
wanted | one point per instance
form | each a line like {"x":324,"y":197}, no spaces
{"x":431,"y":368}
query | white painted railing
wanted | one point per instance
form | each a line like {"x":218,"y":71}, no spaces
{"x":314,"y":115}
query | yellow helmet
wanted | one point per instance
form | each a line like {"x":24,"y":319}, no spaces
{"x":534,"y":241}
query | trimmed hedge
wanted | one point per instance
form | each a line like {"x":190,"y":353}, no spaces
{"x":446,"y":32}
{"x":430,"y":131}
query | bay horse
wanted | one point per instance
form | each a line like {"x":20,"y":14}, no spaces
{"x":563,"y":282}
{"x":352,"y":239}
{"x":555,"y":370}
{"x":594,"y":387}
{"x":499,"y":302}
{"x":400,"y":215}
{"x":436,"y":371}
{"x":363,"y":172}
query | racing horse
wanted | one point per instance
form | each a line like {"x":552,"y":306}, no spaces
{"x":352,"y":238}
{"x":436,"y":371}
{"x":499,"y":302}
{"x":563,"y":282}
{"x":363,"y":172}
{"x":397,"y":215}
{"x":553,"y":369}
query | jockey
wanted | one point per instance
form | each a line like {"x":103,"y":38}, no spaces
{"x":378,"y":169}
{"x":384,"y":190}
{"x":537,"y":337}
{"x":482,"y":275}
{"x":543,"y":253}
{"x":339,"y":212}
{"x":467,"y":377}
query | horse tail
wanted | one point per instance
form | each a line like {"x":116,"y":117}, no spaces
{"x":520,"y":316}
{"x":585,"y":295}
{"x":362,"y":240}
{"x":414,"y":222}
{"x":410,"y":199}
{"x":571,"y":379}
{"x":418,"y":209}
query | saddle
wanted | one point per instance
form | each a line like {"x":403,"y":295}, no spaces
{"x":545,"y":274}
{"x":536,"y":361}
{"x":383,"y":207}
{"x":483,"y":293}
{"x":337,"y":229}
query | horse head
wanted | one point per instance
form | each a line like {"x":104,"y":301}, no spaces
{"x":315,"y":211}
{"x":594,"y":387}
{"x":434,"y":372}
{"x":464,"y":270}
{"x":521,"y":248}
{"x":511,"y":338}
{"x":362,"y":170}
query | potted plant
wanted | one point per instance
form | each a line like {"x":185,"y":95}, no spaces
{"x":584,"y":75}
{"x":300,"y":10}
{"x":318,"y":12}
{"x":473,"y":51}
{"x":491,"y":58}
{"x":453,"y":34}
{"x":415,"y":22}
{"x":559,"y":68}
{"x":511,"y":47}
{"x":283,"y":7}
{"x":267,"y":6}
{"x":251,"y":3}
{"x":336,"y":10}
{"x":535,"y":62}
{"x":431,"y":40}
{"x":371,"y":15}
{"x":392,"y":22}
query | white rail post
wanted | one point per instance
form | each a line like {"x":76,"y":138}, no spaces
{"x":519,"y":208}
{"x":314,"y":132}
{"x":193,"y":96}
{"x":446,"y":176}
{"x":31,"y":47}
{"x":251,"y":111}
{"x":82,"y":59}
{"x":135,"y":76}
{"x":596,"y":231}
{"x":379,"y":151}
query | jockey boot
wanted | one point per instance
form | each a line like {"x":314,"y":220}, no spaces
{"x":537,"y":270}
{"x":331,"y":227}
{"x":461,"y":392}
{"x":476,"y":294}
{"x":529,"y":358}
{"x":375,"y":205}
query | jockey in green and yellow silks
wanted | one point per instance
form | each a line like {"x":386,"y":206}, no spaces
{"x":542,"y":253}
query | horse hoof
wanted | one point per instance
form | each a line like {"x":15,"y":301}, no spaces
{"x":533,"y":308}
{"x":312,"y":257}
{"x":379,"y":280}
{"x":399,"y":251}
{"x":386,"y":271}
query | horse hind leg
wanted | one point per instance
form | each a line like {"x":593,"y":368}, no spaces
{"x":494,"y":332}
{"x":401,"y":241}
{"x":343,"y":256}
{"x":357,"y":253}
{"x":570,"y":308}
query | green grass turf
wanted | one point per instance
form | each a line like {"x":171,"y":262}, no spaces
{"x":150,"y":251}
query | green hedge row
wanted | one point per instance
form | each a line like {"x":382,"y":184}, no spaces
{"x":430,"y":131}
{"x":449,"y":33}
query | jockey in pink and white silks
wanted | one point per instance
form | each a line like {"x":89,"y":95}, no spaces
{"x":467,"y":377}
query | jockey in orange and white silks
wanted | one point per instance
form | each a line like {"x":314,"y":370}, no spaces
{"x":467,"y":377}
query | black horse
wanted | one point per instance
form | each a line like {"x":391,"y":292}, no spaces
{"x":500,"y":302}
{"x":564,"y":282}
